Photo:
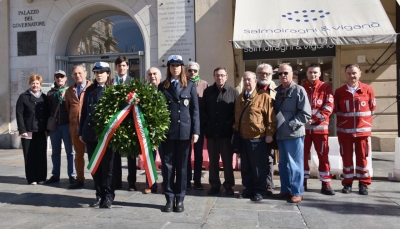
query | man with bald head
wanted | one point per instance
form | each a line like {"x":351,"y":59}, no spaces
{"x":255,"y":123}
{"x":292,"y":111}
{"x":154,"y":76}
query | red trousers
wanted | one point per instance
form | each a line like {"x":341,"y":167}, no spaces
{"x":321,"y":147}
{"x":361,"y":147}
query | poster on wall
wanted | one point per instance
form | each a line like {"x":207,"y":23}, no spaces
{"x":176,"y":32}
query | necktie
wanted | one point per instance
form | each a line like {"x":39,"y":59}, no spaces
{"x":246,"y":96}
{"x":78,"y":92}
{"x":121,"y":81}
{"x":99,"y":89}
{"x":175,"y":83}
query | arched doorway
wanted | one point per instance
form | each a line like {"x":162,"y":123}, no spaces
{"x":104,"y":36}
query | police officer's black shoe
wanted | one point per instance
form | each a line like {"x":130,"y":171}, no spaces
{"x":179,"y":207}
{"x":346,"y":189}
{"x":167,"y":207}
{"x":327,"y":190}
{"x":97,"y":203}
{"x":107,"y":203}
{"x":257,"y":197}
{"x":362,"y":189}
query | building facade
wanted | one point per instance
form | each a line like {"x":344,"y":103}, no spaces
{"x":41,"y":36}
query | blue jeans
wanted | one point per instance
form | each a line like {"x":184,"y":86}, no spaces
{"x":62,"y":133}
{"x":291,"y":165}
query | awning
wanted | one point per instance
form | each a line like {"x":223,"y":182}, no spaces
{"x":272,"y":23}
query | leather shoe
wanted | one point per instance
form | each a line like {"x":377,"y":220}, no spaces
{"x":296,"y":199}
{"x":107,"y":203}
{"x":71,"y":180}
{"x":147,"y":191}
{"x":132,"y":187}
{"x":198,"y":186}
{"x":346,"y":189}
{"x":53,"y":179}
{"x":362,"y":189}
{"x":229,"y":191}
{"x":77,"y":184}
{"x":256,"y":197}
{"x":269,"y":192}
{"x":167,"y":207}
{"x":179,"y":207}
{"x":189,"y":186}
{"x":213,"y":191}
{"x":244,"y":196}
{"x":282,"y":195}
{"x":327,"y":190}
{"x":97,"y":203}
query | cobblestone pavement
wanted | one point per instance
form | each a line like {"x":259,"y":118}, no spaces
{"x":54,"y":206}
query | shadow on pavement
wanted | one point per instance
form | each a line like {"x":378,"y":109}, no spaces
{"x":44,"y":199}
{"x":351,"y":208}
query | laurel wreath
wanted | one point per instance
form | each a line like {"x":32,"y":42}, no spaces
{"x":153,"y":105}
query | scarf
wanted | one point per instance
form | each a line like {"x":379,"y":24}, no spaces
{"x":196,"y":79}
{"x":36,"y":95}
{"x":58,"y":94}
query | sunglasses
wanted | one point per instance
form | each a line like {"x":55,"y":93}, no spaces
{"x":59,"y":76}
{"x":283,"y":73}
{"x":192,"y":70}
{"x":263,"y":73}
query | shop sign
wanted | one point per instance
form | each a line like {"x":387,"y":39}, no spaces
{"x":288,"y":52}
{"x":176,"y":34}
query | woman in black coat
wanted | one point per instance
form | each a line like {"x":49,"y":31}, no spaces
{"x":103,"y":176}
{"x":184,"y":129}
{"x":32,"y":114}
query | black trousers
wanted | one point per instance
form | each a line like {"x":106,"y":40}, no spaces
{"x":117,"y":171}
{"x":35,"y":157}
{"x":254,"y":165}
{"x":198,"y":160}
{"x":223,"y":147}
{"x":270,"y":168}
{"x":174,"y":165}
{"x":103,"y":176}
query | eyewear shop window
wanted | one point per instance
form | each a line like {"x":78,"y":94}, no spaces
{"x":299,"y":58}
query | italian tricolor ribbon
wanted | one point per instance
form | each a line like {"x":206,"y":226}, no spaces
{"x":141,"y":131}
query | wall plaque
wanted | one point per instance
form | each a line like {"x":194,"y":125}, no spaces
{"x":176,"y":31}
{"x":27,"y":45}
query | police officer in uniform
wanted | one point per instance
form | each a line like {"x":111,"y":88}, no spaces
{"x":103,"y":176}
{"x":182,"y":101}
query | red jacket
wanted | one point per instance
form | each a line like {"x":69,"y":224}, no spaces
{"x":320,"y":96}
{"x":354,"y":112}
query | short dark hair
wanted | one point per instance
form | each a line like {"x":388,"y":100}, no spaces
{"x":313,"y":65}
{"x":351,"y":66}
{"x":121,"y":59}
{"x":220,"y":68}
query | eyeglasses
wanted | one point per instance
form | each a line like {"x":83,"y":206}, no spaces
{"x":192,"y":70}
{"x":59,"y":76}
{"x":152,"y":73}
{"x":263,"y":73}
{"x":283,"y":73}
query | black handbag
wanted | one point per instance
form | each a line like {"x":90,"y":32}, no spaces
{"x":52,"y":121}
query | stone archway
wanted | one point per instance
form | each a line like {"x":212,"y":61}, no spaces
{"x":69,"y":19}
